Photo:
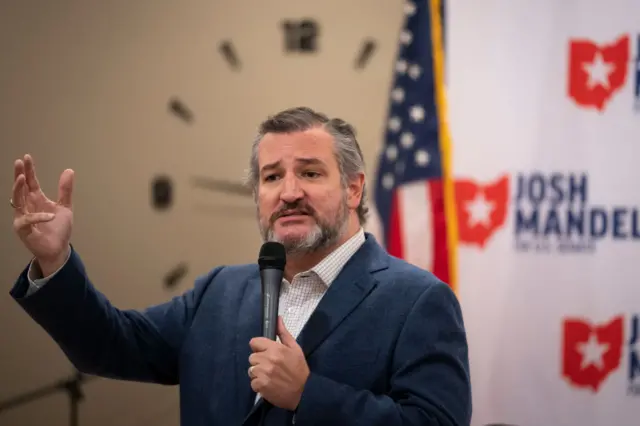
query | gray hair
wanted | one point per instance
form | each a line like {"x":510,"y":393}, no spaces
{"x":347,"y":150}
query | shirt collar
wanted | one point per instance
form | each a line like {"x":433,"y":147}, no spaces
{"x":329,"y":268}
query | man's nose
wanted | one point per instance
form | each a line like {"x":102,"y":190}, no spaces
{"x":291,"y":190}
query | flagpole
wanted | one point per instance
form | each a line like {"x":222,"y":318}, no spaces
{"x":445,"y":142}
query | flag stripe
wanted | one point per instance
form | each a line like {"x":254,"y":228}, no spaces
{"x":440,"y":251}
{"x":417,"y":216}
{"x":437,"y":31}
{"x":394,"y":229}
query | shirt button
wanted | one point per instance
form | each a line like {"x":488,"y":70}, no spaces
{"x":291,"y":310}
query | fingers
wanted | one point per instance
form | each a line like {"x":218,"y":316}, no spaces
{"x":30,"y":173}
{"x":18,"y":168}
{"x":252,"y":372}
{"x":285,"y":337}
{"x":29,"y":182}
{"x":25,"y":221}
{"x":18,"y":195}
{"x":258,"y":370}
{"x":258,"y":357}
{"x":65,"y":188}
{"x":260,"y":344}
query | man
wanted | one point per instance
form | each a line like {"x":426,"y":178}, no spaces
{"x":364,"y":338}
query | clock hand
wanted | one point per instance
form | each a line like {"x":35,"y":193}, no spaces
{"x":226,"y":187}
{"x":219,"y":185}
{"x":227,"y":210}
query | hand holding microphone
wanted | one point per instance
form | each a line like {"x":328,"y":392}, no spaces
{"x":278,"y":370}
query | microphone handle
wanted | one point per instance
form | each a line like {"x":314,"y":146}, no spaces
{"x":271,"y":282}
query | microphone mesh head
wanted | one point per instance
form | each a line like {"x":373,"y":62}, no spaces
{"x":272,"y":255}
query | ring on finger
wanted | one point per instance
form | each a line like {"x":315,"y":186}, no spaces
{"x":251,"y":371}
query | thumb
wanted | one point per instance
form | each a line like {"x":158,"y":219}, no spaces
{"x":65,"y":188}
{"x":285,"y":337}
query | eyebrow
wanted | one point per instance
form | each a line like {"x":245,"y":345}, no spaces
{"x":303,"y":160}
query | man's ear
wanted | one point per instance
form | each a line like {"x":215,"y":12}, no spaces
{"x":355,"y":190}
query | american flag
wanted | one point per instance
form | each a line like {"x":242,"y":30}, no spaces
{"x":410,"y":187}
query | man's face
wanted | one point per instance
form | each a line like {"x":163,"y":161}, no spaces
{"x":301,"y":202}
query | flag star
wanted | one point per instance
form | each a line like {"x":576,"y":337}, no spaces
{"x":392,"y":152}
{"x":406,"y":37}
{"x":397,"y":94}
{"x":414,"y":71}
{"x":417,"y":113}
{"x":479,"y":211}
{"x":395,"y":124}
{"x":409,"y":8}
{"x":592,"y":352}
{"x":401,"y":66}
{"x":407,"y":139}
{"x":598,"y":71}
{"x":422,"y":158}
{"x":387,"y":181}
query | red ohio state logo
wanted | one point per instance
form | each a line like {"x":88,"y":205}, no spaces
{"x":591,"y":352}
{"x":597,"y":72}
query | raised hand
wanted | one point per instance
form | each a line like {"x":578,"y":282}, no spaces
{"x":43,"y":225}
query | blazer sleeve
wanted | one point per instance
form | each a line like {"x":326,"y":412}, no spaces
{"x":430,"y":381}
{"x":102,"y":340}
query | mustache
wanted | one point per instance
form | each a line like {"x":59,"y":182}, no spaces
{"x":295,"y":207}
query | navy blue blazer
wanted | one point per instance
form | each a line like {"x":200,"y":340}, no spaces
{"x":386,"y":346}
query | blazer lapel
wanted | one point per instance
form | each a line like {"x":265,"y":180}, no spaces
{"x":248,"y":326}
{"x":350,"y":287}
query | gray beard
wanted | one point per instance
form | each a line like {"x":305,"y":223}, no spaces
{"x":321,"y":236}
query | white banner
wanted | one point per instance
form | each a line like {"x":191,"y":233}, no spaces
{"x":543,"y":99}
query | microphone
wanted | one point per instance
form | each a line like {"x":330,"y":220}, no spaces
{"x":271,"y":260}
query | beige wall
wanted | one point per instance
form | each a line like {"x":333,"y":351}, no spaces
{"x":85,"y":85}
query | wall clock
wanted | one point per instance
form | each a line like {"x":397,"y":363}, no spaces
{"x":337,"y":60}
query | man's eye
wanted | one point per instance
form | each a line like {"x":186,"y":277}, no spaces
{"x":270,"y":177}
{"x":310,"y":174}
